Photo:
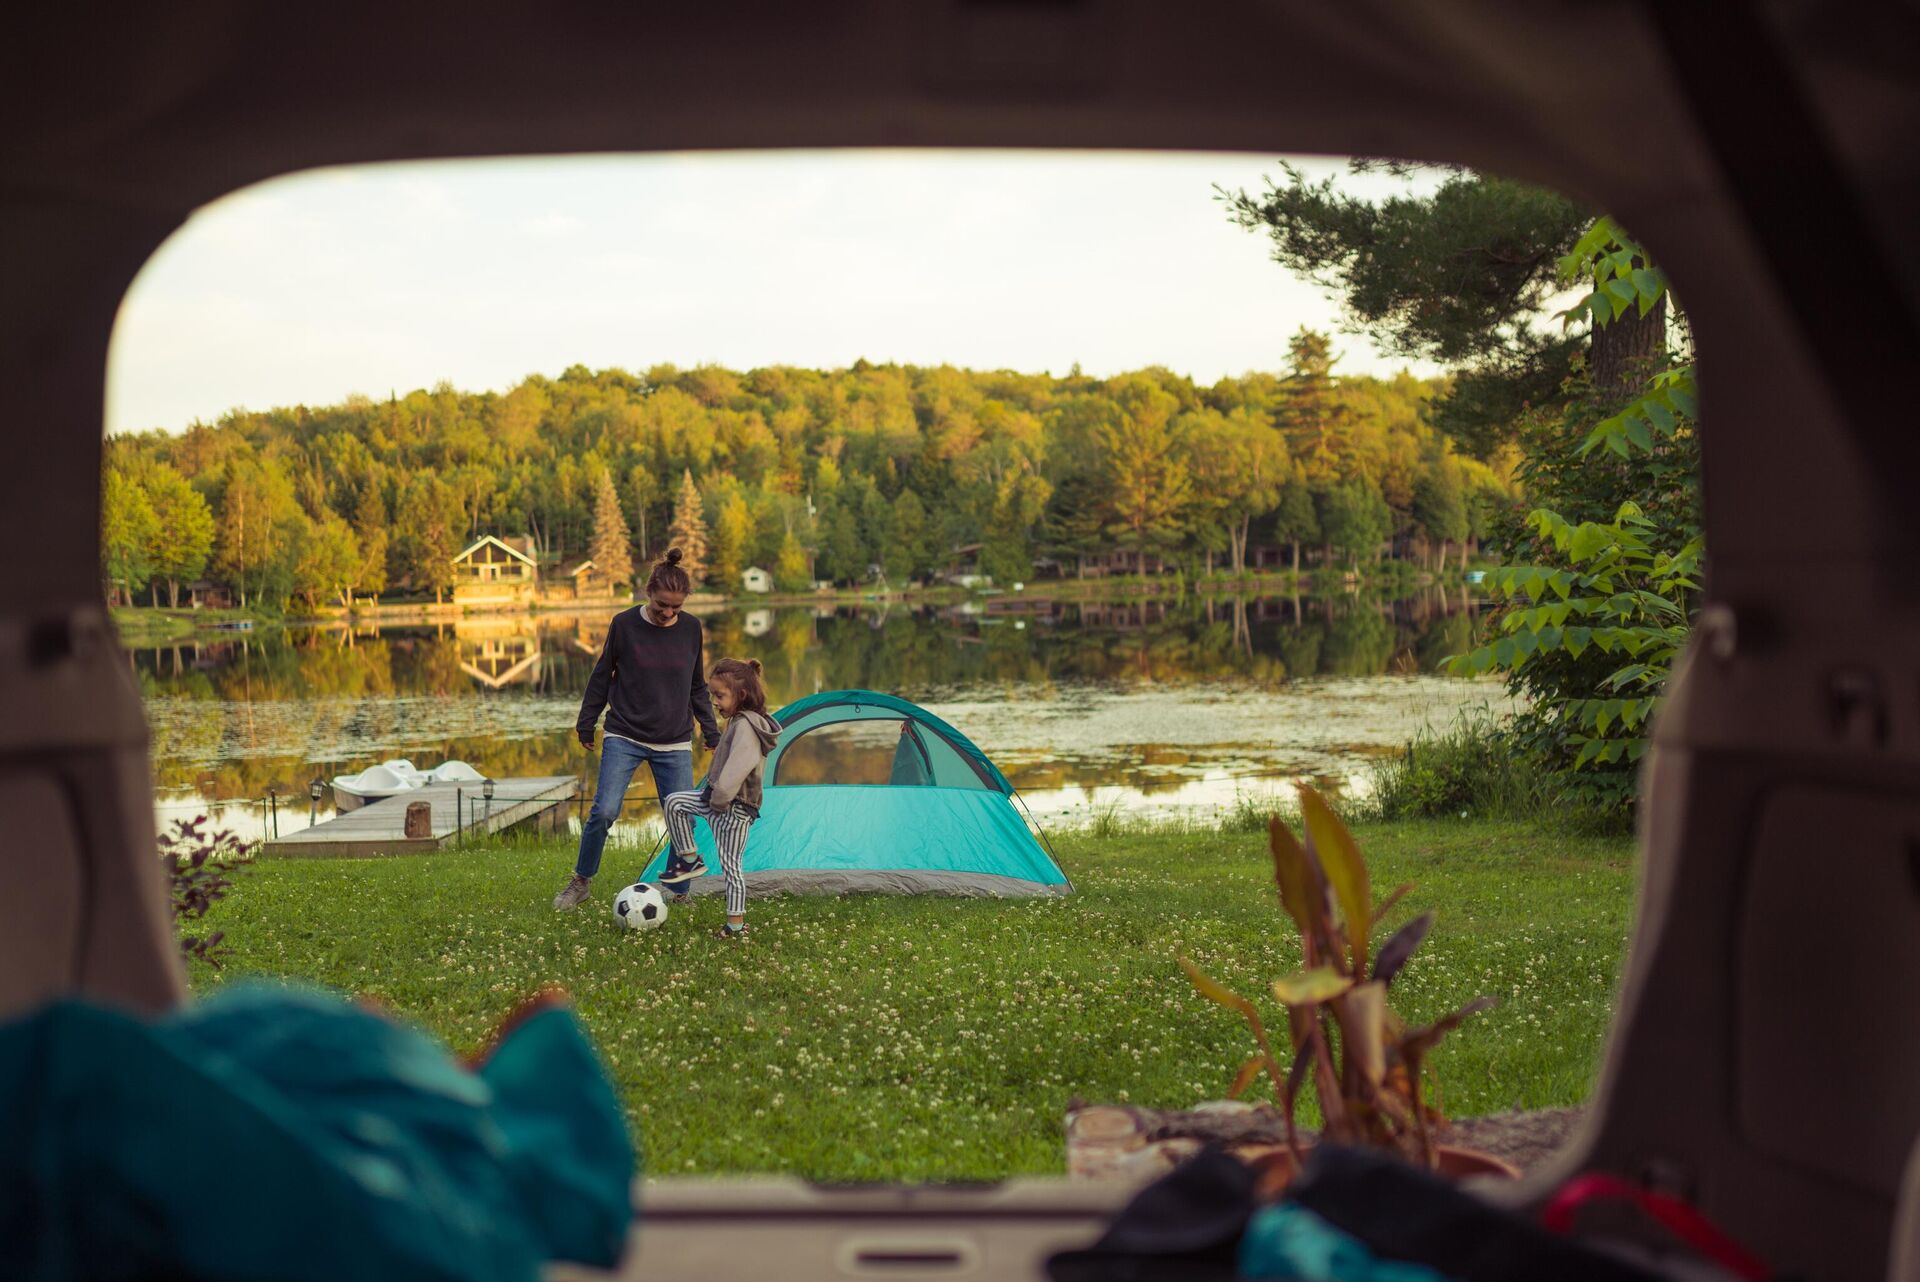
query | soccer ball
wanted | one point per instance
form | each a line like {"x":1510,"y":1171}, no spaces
{"x":640,"y":906}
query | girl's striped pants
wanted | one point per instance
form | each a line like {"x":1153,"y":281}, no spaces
{"x":729,"y":825}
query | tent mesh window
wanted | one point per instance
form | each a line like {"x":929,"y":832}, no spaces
{"x":857,"y":752}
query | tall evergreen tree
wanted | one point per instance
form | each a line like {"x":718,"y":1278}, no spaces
{"x":611,"y":548}
{"x":688,"y":531}
{"x":1310,"y":414}
{"x":842,"y":557}
{"x":908,"y":555}
{"x":1461,"y":276}
{"x":1075,"y":524}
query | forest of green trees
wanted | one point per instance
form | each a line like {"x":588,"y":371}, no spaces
{"x":808,"y":474}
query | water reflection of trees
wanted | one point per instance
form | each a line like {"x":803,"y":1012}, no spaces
{"x":356,"y":685}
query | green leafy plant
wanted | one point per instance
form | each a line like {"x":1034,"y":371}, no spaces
{"x":1593,"y":616}
{"x":1368,"y":1066}
{"x":1623,"y":597}
{"x":1473,"y":766}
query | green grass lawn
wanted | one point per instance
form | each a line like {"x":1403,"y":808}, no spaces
{"x":141,"y":625}
{"x":940,"y":1039}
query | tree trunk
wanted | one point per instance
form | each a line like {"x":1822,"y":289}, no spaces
{"x":1621,"y":351}
{"x":173,"y":593}
{"x":1296,"y":556}
{"x":1209,"y":562}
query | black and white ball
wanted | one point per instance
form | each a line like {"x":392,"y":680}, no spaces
{"x":640,"y":906}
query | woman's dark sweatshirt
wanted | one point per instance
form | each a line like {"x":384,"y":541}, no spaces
{"x":651,"y":681}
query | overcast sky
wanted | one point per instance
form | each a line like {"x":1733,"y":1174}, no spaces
{"x":390,"y":278}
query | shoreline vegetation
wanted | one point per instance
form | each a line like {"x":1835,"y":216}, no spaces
{"x":958,"y":1066}
{"x":852,"y":476}
{"x":144,"y":624}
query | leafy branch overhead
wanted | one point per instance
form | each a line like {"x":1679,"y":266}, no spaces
{"x":1623,"y":278}
{"x":1624,"y":587}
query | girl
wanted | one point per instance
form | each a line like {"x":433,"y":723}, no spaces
{"x":648,"y":681}
{"x":731,"y":800}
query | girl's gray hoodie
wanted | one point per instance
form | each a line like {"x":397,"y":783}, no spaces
{"x":735,"y":772}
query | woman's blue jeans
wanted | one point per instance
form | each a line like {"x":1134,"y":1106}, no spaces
{"x":619,"y":758}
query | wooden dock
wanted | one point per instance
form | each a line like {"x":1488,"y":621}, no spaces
{"x":379,"y":828}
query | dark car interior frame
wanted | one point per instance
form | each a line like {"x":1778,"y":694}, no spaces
{"x":1765,"y":1058}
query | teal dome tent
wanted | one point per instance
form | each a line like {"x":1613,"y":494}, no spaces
{"x":868,"y":792}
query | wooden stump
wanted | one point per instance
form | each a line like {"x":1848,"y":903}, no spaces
{"x":419,"y":820}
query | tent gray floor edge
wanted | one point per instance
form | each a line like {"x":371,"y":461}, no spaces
{"x":837,"y":881}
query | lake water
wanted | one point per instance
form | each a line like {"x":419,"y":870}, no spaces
{"x":1172,"y":705}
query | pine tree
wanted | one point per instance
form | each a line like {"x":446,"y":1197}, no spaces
{"x":688,"y":532}
{"x":611,"y":547}
{"x":1310,"y":416}
{"x":906,"y":554}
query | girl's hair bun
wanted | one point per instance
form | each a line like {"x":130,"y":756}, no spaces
{"x":755,"y":665}
{"x":673,"y":556}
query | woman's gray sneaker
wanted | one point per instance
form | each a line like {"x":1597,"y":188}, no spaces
{"x":574,"y":893}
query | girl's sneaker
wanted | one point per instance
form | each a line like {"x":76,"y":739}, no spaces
{"x":734,"y":932}
{"x":679,"y":870}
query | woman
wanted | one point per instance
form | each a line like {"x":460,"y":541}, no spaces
{"x":651,"y":681}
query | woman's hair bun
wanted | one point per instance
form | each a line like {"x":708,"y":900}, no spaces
{"x":673,"y":556}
